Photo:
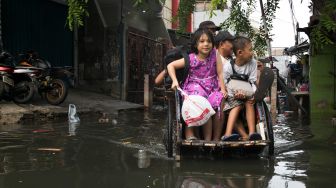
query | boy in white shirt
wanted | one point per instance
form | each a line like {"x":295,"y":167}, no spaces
{"x":243,"y":64}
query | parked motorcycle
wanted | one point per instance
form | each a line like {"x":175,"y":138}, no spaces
{"x":14,"y":86}
{"x":51,"y":83}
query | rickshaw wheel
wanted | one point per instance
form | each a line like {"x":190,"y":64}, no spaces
{"x":170,"y":131}
{"x":270,"y":148}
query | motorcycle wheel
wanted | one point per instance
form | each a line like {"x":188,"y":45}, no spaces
{"x":26,"y":96}
{"x":58,"y":92}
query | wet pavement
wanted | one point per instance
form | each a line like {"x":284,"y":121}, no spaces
{"x":38,"y":110}
{"x":94,"y":154}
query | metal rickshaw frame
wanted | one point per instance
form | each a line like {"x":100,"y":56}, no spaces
{"x":174,"y":131}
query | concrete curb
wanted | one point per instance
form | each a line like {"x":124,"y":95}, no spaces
{"x":87,"y":103}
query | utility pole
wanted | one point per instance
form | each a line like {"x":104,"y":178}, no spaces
{"x":274,"y":91}
{"x":1,"y":43}
{"x":268,"y":40}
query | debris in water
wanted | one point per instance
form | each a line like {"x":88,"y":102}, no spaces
{"x":42,"y":130}
{"x":72,"y":114}
{"x":49,"y":149}
{"x":127,"y":138}
{"x":73,"y":119}
{"x":103,"y":119}
{"x":333,"y":122}
{"x":114,"y":122}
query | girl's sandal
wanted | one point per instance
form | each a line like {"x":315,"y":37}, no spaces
{"x":191,"y":138}
{"x":232,"y":137}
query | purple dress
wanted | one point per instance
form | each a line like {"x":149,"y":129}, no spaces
{"x":202,"y":79}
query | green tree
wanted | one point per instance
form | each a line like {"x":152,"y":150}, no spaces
{"x":77,"y":11}
{"x":323,"y":24}
{"x":238,"y":19}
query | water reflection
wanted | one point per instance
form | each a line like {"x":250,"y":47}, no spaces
{"x":72,"y":128}
{"x":143,"y":159}
{"x":230,"y":173}
{"x":131,"y":154}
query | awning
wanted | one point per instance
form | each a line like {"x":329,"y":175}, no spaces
{"x":298,"y":49}
{"x":267,"y":59}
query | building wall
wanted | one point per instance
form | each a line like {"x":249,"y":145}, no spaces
{"x":322,"y":83}
{"x":202,"y":13}
{"x":200,"y":16}
{"x":99,"y":57}
{"x":103,"y":43}
{"x":37,"y":25}
{"x":322,"y":93}
{"x":167,"y":14}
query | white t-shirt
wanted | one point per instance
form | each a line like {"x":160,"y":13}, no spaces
{"x":249,"y":69}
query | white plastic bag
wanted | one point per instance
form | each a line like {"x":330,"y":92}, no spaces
{"x":240,"y":85}
{"x":196,"y":110}
{"x":72,"y":114}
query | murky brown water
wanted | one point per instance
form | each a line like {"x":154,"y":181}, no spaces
{"x":106,"y":155}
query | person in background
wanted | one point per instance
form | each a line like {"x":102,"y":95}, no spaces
{"x":223,"y":44}
{"x":209,"y":25}
{"x":161,"y":76}
{"x":260,"y":67}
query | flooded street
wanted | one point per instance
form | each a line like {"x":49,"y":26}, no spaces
{"x":107,"y":155}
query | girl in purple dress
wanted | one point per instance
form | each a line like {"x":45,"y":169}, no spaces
{"x":205,"y":69}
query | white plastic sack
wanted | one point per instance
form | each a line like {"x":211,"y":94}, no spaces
{"x":196,"y":110}
{"x":72,"y":114}
{"x":239,"y":85}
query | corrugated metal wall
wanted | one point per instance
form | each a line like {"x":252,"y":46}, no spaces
{"x":37,"y":25}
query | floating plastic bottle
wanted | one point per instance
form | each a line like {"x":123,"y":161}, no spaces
{"x":72,"y":114}
{"x":73,"y":120}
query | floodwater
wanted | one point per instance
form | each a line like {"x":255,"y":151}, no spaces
{"x":95,"y":154}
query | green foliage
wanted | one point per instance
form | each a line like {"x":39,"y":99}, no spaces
{"x":238,"y":20}
{"x":215,"y":4}
{"x":259,"y":43}
{"x":270,"y":9}
{"x":321,"y":34}
{"x":77,"y":10}
{"x":186,"y":7}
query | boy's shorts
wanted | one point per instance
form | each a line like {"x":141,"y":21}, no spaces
{"x":231,"y":102}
